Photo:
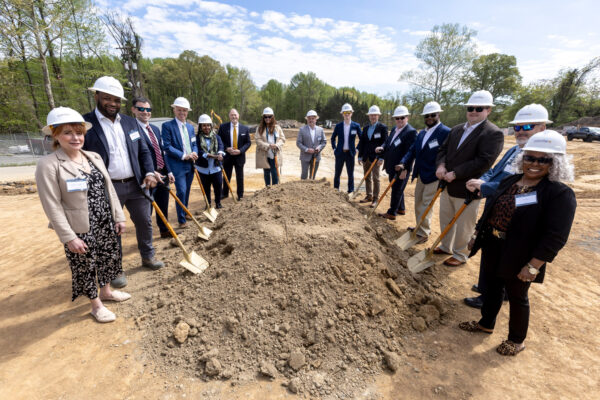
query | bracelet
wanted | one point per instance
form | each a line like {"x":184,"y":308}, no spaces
{"x":531,"y":266}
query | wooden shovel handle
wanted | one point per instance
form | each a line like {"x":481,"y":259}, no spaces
{"x":201,"y":187}
{"x":227,"y":181}
{"x":169,"y":227}
{"x":184,"y":208}
{"x":429,"y":207}
{"x":468,"y":201}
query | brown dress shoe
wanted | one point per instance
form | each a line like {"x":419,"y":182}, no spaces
{"x":438,"y":250}
{"x":182,"y":225}
{"x":401,"y":212}
{"x":453,"y":262}
{"x":367,"y":199}
{"x":387,"y":216}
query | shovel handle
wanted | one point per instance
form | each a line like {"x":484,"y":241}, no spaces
{"x":447,"y":228}
{"x":314,"y":160}
{"x":363,"y":179}
{"x":201,"y":187}
{"x":429,"y":207}
{"x":384,"y":193}
{"x":187,"y":211}
{"x":227,"y":181}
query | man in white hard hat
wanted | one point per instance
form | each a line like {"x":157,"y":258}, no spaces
{"x":182,"y":151}
{"x":236,"y":139}
{"x":374,"y":135}
{"x":424,"y":152}
{"x":311,"y":140}
{"x":343,"y":141}
{"x":528,"y":121}
{"x":469,"y":151}
{"x":396,"y":146}
{"x":116,"y":137}
{"x":142,"y":110}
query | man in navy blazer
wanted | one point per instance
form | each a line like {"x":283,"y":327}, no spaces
{"x":374,"y":134}
{"x":236,"y":139}
{"x":343,"y":141}
{"x":179,"y":142}
{"x":396,"y":146}
{"x":424,"y":152}
{"x":116,"y":138}
{"x":142,"y":110}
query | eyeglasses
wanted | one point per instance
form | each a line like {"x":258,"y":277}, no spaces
{"x":430,"y":115}
{"x":399,"y":118}
{"x":267,"y":116}
{"x":525,"y":128}
{"x":540,"y":160}
{"x":142,"y":109}
{"x":478,"y":109}
{"x":347,"y":112}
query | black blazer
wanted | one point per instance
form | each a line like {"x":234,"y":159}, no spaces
{"x":139,"y":153}
{"x":366,"y":147}
{"x":149,"y":144}
{"x":536,"y":230}
{"x":474,"y":157}
{"x":202,"y":161}
{"x":243,"y":142}
{"x":393,"y":154}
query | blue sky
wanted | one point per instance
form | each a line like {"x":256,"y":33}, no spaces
{"x":365,"y":44}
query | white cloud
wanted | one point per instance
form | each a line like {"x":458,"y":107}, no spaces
{"x":485,"y":47}
{"x":416,"y":33}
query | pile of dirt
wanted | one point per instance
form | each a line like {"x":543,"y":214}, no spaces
{"x":301,"y":286}
{"x":17,"y":187}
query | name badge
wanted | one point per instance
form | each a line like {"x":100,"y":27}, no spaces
{"x":134,"y":135}
{"x":193,"y":139}
{"x":525,"y":199}
{"x":397,"y":142}
{"x":353,"y":132}
{"x":433,"y":144}
{"x":509,"y":168}
{"x":77,"y":185}
{"x":377,"y":136}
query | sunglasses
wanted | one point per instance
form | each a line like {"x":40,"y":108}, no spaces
{"x":430,"y":115}
{"x":347,"y":112}
{"x":541,"y":160}
{"x":399,"y":118}
{"x":267,"y":116}
{"x":142,"y":109}
{"x":525,"y":128}
{"x":478,"y":109}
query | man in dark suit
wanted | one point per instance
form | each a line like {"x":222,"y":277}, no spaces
{"x":142,"y":109}
{"x":374,"y":134}
{"x":424,"y":152}
{"x":344,"y":151}
{"x":116,"y":137}
{"x":180,"y":145}
{"x":468,"y":152}
{"x":236,"y":139}
{"x":396,"y":146}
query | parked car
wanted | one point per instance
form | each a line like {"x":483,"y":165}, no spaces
{"x":587,"y":133}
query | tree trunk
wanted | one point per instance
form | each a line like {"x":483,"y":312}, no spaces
{"x":42,"y":57}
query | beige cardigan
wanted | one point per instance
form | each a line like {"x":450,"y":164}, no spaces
{"x":262,"y":148}
{"x":68,"y":211}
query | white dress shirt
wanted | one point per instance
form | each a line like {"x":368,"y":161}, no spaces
{"x":429,"y":133}
{"x":468,"y":129}
{"x":119,"y":166}
{"x":347,"y":136}
{"x":313,"y":131}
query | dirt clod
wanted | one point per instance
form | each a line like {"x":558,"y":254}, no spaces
{"x":181,"y":332}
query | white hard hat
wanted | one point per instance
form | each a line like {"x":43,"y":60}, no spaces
{"x":547,"y":141}
{"x":110,"y":85}
{"x":346,"y":107}
{"x":311,"y":113}
{"x":204,"y":119}
{"x":181,"y":102}
{"x":481,"y":98}
{"x":401,"y":111}
{"x":431,"y":107}
{"x":374,"y":110}
{"x":63,"y":115}
{"x":531,"y":113}
{"x":268,"y":111}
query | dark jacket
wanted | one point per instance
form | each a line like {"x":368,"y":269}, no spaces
{"x":424,"y":156}
{"x":537,"y":230}
{"x":202,"y":160}
{"x":139,"y":154}
{"x":394,"y":151}
{"x":243,"y":142}
{"x":366,"y":146}
{"x":156,"y":131}
{"x":338,"y":132}
{"x":474,"y":157}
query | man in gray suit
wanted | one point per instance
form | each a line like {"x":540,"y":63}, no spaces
{"x":311,"y":140}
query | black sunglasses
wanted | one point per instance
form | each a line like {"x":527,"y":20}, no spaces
{"x":399,"y":118}
{"x":267,"y":116}
{"x":525,"y":128}
{"x":541,"y":160}
{"x":478,"y":109}
{"x":142,"y":109}
{"x":430,"y":115}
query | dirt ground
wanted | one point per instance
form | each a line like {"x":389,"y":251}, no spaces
{"x":51,"y":348}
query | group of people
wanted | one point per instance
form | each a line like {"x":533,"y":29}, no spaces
{"x":104,"y":161}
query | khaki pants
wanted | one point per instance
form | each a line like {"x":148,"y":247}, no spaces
{"x":423,"y":195}
{"x":372,"y":181}
{"x":455,"y":242}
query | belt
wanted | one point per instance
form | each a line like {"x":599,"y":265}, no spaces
{"x":498,"y":234}
{"x":345,"y":151}
{"x":123,"y":180}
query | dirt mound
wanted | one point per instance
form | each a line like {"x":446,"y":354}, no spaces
{"x":17,"y":187}
{"x":300,"y":286}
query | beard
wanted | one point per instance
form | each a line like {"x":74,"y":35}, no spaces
{"x":432,"y":124}
{"x":107,"y":113}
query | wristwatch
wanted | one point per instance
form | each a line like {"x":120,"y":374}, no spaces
{"x":532,"y":270}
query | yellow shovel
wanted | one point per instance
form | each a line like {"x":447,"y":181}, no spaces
{"x":209,"y":212}
{"x":203,"y":232}
{"x":227,"y":181}
{"x":396,"y":175}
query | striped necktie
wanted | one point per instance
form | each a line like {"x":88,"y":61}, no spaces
{"x":160,"y":163}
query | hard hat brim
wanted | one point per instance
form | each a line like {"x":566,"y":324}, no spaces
{"x":533,"y":121}
{"x":48,"y":131}
{"x":175,"y":105}
{"x":478,"y":105}
{"x":430,"y":112}
{"x":94,"y":89}
{"x":544,"y":150}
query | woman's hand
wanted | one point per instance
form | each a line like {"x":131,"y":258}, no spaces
{"x":77,"y":246}
{"x":120,"y":228}
{"x":525,"y":276}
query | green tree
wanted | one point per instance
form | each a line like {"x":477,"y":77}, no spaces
{"x":496,"y":73}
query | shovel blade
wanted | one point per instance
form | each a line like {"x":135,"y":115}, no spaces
{"x":211,"y":214}
{"x":204,"y":233}
{"x":407,"y":240}
{"x":195,"y":264}
{"x":420,"y":261}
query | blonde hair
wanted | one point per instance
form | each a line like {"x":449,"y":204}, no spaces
{"x":78,"y":127}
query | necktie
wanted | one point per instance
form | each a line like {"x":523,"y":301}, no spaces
{"x":235,"y":137}
{"x":186,"y":140}
{"x":160,"y":163}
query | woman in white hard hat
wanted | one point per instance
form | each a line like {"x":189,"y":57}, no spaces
{"x":269,"y":146}
{"x":83,"y":209}
{"x":524,"y":225}
{"x":210,"y":157}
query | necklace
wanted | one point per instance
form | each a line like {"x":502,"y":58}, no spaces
{"x":82,"y":164}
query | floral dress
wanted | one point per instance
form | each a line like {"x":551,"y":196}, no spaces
{"x":103,"y":258}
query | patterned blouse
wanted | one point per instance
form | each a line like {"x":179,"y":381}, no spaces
{"x":505,"y":207}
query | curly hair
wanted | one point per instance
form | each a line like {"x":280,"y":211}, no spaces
{"x":561,"y":170}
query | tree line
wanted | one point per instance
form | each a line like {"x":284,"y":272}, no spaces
{"x":51,"y":52}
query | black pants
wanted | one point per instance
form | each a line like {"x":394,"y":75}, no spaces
{"x":216,"y":181}
{"x":341,"y":159}
{"x":228,"y":166}
{"x":397,"y":200}
{"x":516,"y":290}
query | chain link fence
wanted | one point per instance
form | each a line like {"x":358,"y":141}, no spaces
{"x":22,"y":148}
